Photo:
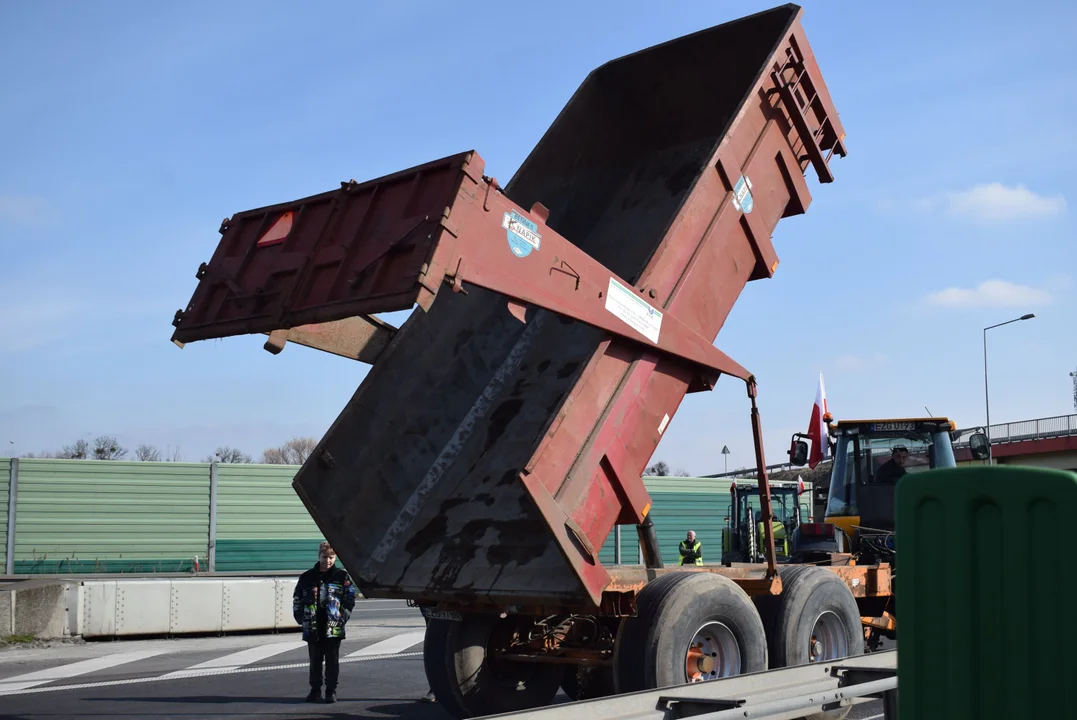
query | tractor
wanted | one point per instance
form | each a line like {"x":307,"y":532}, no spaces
{"x":870,"y":457}
{"x":742,"y":537}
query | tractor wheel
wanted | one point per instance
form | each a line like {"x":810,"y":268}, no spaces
{"x":815,"y":619}
{"x":468,"y":682}
{"x":690,"y":627}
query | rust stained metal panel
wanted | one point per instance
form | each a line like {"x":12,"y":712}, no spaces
{"x":348,"y":252}
{"x":485,"y":459}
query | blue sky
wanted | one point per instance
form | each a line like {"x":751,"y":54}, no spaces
{"x":131,"y":129}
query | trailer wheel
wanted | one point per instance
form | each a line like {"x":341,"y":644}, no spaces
{"x":468,"y":682}
{"x":694,"y":627}
{"x":815,"y":619}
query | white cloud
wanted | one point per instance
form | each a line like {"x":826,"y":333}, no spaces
{"x":23,"y":209}
{"x":990,"y":294}
{"x":994,"y":202}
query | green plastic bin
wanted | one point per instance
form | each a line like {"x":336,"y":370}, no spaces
{"x":986,"y":592}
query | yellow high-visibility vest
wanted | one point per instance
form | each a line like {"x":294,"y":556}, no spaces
{"x":697,"y":547}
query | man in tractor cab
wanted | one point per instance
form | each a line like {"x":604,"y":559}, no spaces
{"x":893,"y":469}
{"x":691,"y":550}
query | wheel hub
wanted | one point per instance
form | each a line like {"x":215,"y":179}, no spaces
{"x":712,"y":653}
{"x":828,"y":639}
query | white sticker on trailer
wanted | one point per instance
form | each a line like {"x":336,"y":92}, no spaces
{"x":662,"y":426}
{"x":635,"y":311}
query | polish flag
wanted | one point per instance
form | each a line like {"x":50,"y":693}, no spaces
{"x":820,"y":446}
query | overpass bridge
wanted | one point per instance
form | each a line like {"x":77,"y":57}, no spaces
{"x":1049,"y":442}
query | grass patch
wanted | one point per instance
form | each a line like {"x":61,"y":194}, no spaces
{"x":17,"y":639}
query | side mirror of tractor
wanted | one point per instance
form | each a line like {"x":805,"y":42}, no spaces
{"x":978,"y":446}
{"x":798,"y":453}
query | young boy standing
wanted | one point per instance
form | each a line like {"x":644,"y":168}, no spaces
{"x":322,"y":603}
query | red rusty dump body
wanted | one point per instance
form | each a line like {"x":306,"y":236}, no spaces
{"x":501,"y":434}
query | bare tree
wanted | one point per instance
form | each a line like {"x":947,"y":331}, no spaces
{"x":681,"y":472}
{"x":106,"y":447}
{"x":294,"y":452}
{"x":79,"y":451}
{"x":147,"y":453}
{"x":227,"y":454}
{"x":659,"y":469}
{"x":274,"y":456}
{"x":173,"y":455}
{"x":44,"y":454}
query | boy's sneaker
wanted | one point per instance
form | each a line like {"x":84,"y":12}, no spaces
{"x":330,"y":696}
{"x":429,"y":697}
{"x":314,"y":695}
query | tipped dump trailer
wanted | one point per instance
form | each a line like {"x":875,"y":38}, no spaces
{"x":502,"y":430}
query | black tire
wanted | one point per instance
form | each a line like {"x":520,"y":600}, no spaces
{"x":812,"y":595}
{"x":435,"y":664}
{"x":652,"y":648}
{"x":628,"y":645}
{"x":467,"y":683}
{"x":587,"y":683}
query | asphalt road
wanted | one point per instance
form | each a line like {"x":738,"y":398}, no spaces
{"x":244,"y":677}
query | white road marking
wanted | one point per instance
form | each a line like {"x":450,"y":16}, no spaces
{"x":393,"y":645}
{"x":20,"y":683}
{"x":243,"y":657}
{"x":199,"y":673}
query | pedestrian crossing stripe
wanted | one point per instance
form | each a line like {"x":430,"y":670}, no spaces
{"x":241,"y":658}
{"x":193,"y":674}
{"x":82,"y":667}
{"x":392,"y":645}
{"x":239,"y":661}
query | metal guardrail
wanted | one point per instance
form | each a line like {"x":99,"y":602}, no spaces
{"x":1038,"y":429}
{"x":772,"y":695}
{"x":751,"y":473}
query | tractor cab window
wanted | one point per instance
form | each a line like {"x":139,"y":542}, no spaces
{"x":784,"y":506}
{"x":881,"y":458}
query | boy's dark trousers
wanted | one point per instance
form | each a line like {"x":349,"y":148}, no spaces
{"x":327,"y":649}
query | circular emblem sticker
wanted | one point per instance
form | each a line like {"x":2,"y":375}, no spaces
{"x":521,"y":233}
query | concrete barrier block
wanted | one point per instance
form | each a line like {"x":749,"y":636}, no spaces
{"x":7,"y":612}
{"x":142,"y":607}
{"x":40,"y":610}
{"x":249,"y":605}
{"x":197,"y":606}
{"x":98,"y":600}
{"x":284,"y":620}
{"x":73,"y":600}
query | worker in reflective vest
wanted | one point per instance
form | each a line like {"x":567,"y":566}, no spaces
{"x":691,"y":550}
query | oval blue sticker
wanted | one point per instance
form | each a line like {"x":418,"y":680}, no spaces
{"x":521,"y":233}
{"x":742,"y":195}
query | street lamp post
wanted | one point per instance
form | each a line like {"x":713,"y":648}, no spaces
{"x":987,"y":396}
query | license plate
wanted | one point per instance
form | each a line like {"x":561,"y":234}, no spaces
{"x":894,"y":426}
{"x":435,"y":614}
